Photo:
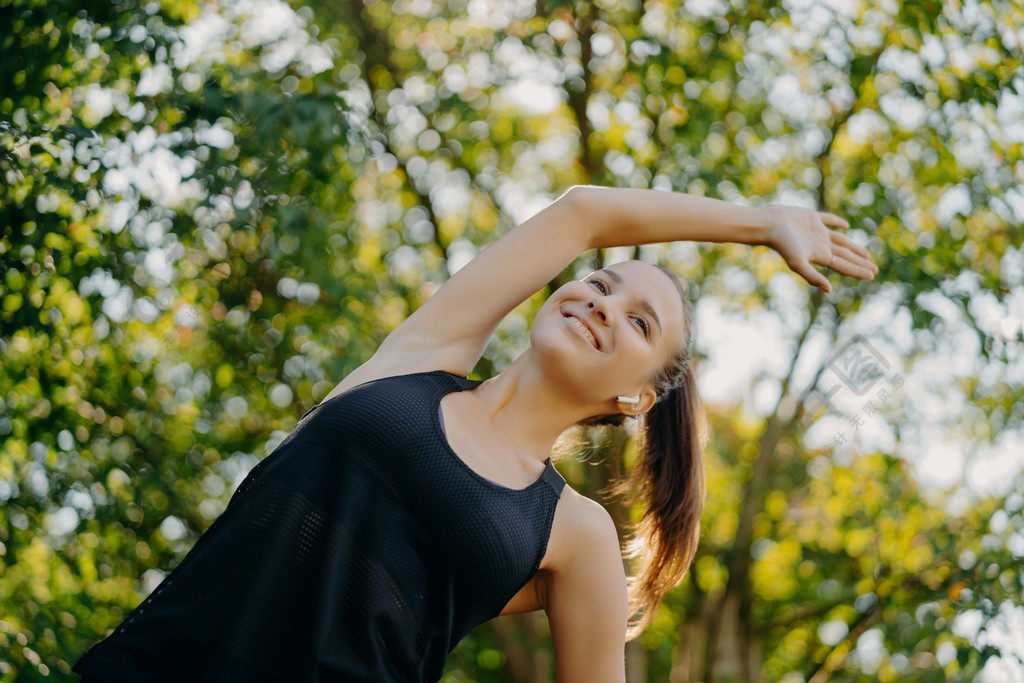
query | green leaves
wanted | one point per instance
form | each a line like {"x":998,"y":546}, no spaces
{"x":209,"y":215}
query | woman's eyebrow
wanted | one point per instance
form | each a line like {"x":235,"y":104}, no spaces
{"x":643,"y":304}
{"x":612,"y":274}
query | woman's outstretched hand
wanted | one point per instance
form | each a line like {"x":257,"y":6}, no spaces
{"x":804,"y":239}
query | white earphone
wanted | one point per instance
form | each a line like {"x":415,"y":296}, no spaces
{"x":628,"y":399}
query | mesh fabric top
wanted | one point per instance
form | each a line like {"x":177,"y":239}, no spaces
{"x":362,"y":549}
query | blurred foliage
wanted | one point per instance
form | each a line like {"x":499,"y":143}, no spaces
{"x":210,"y":213}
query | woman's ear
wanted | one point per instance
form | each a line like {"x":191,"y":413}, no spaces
{"x":636,"y":404}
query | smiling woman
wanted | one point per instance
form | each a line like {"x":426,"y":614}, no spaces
{"x":412,"y":504}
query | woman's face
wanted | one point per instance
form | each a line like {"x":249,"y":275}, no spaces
{"x":609,"y":333}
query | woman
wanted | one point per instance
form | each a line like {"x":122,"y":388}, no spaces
{"x":413,"y":504}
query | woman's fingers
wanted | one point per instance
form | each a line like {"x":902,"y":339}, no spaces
{"x":844,"y":241}
{"x":833,"y":220}
{"x":844,"y":247}
{"x":850,"y":263}
{"x":803,"y":246}
{"x":805,"y":270}
{"x":813,"y":276}
{"x":851,"y":258}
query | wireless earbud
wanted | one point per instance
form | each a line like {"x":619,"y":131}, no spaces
{"x":633,"y":400}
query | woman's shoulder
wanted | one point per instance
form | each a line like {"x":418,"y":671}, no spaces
{"x":580,"y":526}
{"x":585,"y":511}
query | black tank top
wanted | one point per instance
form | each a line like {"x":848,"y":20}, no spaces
{"x":362,"y":549}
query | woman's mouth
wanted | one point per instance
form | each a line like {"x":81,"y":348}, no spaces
{"x":583,"y":330}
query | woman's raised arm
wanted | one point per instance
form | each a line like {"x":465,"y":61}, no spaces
{"x":451,"y":330}
{"x":801,"y":236}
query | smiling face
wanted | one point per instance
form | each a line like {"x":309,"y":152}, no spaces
{"x":611,"y":332}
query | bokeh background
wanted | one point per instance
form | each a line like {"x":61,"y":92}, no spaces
{"x":210,"y":213}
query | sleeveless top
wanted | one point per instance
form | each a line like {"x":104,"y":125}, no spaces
{"x":362,"y":549}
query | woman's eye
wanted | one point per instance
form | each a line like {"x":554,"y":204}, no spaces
{"x":643,"y":325}
{"x":600,"y":285}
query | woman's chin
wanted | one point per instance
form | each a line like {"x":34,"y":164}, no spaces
{"x":566,"y":360}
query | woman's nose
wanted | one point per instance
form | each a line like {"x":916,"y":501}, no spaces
{"x":600,"y":308}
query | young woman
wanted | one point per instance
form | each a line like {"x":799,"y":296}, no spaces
{"x":412,"y":504}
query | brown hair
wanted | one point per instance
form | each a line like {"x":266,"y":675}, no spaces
{"x":669,"y":479}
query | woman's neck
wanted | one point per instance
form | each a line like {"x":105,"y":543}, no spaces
{"x":527,"y":408}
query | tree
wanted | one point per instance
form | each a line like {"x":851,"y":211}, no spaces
{"x":210,"y":215}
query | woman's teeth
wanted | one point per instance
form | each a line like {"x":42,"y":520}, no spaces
{"x":585,"y":331}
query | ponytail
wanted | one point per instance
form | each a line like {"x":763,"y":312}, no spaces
{"x":670,"y":482}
